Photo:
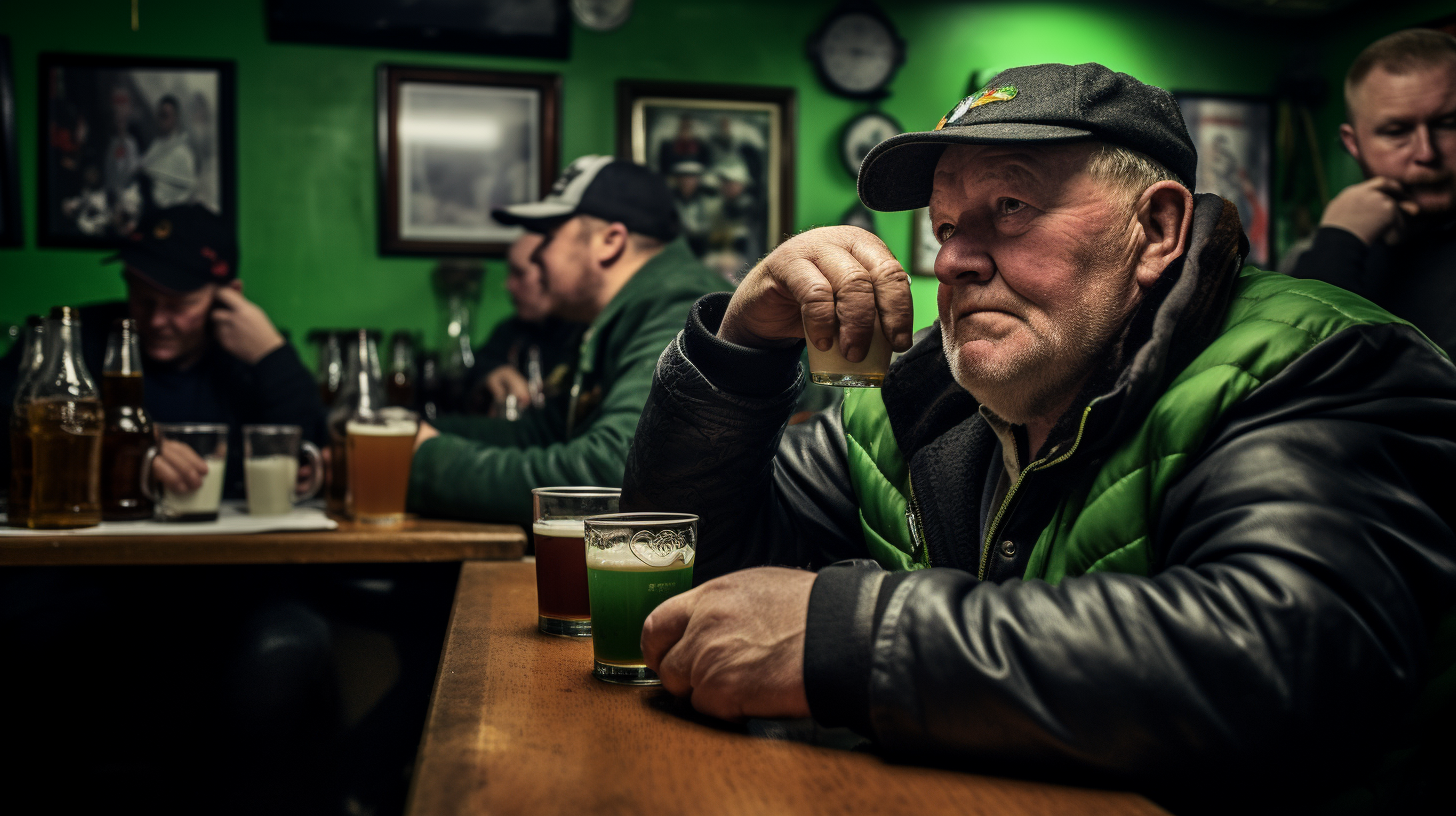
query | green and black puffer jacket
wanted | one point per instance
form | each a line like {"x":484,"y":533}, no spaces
{"x":1228,"y":572}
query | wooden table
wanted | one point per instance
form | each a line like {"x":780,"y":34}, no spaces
{"x":413,"y":541}
{"x":518,"y":726}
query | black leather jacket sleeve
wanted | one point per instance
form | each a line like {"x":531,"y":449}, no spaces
{"x":705,"y":444}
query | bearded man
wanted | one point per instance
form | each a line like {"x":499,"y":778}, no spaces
{"x":1133,"y":514}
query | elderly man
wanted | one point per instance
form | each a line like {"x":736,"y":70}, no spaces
{"x":610,"y":259}
{"x":1392,"y":237}
{"x":1131,"y":514}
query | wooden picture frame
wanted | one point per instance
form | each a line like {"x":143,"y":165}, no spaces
{"x":1234,"y":137}
{"x":738,"y":140}
{"x":520,"y":28}
{"x":10,"y":223}
{"x":456,"y":144}
{"x":122,"y":135}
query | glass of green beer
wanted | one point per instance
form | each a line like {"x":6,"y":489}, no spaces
{"x":634,"y":561}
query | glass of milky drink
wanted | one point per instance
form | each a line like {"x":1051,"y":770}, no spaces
{"x":634,"y":562}
{"x":270,"y":468}
{"x":381,"y":445}
{"x":562,"y":608}
{"x":210,"y":442}
{"x":830,"y":367}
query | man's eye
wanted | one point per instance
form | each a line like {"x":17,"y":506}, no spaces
{"x":1394,"y":131}
{"x":1007,"y":206}
{"x":944,"y":232}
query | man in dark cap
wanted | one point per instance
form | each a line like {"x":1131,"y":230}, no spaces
{"x":1132,"y":514}
{"x":611,"y":258}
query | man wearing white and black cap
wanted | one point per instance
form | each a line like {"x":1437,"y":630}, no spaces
{"x":1131,"y":514}
{"x":612,"y":258}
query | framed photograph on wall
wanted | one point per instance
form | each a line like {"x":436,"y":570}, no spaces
{"x":122,"y":135}
{"x":727,"y":152}
{"x":9,"y":165}
{"x":456,"y":144}
{"x":1234,"y":137}
{"x":522,"y":28}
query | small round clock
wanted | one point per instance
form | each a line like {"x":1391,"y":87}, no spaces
{"x":857,"y":50}
{"x":601,"y":15}
{"x":861,"y":134}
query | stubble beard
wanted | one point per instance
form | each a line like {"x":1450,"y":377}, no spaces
{"x":1038,"y":380}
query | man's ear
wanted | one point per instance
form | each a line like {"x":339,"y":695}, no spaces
{"x":1165,"y":213}
{"x":1347,"y":136}
{"x":609,"y":244}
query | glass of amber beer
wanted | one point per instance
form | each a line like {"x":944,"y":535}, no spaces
{"x":561,"y":601}
{"x":831,"y":368}
{"x":634,"y":561}
{"x":380,"y":447}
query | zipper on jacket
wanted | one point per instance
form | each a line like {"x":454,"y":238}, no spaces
{"x":916,"y":525}
{"x":1040,"y":464}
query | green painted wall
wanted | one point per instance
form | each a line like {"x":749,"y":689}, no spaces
{"x":305,"y":114}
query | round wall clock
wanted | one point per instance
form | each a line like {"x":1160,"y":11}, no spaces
{"x":858,"y":215}
{"x":857,"y":50}
{"x":601,"y":15}
{"x":861,"y":134}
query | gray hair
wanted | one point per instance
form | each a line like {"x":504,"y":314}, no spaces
{"x":1126,"y":170}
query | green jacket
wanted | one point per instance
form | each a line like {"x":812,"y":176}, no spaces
{"x":484,"y":468}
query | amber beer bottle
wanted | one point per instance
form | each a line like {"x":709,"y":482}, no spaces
{"x":362,"y":391}
{"x":31,"y":356}
{"x":128,"y":433}
{"x":399,"y":387}
{"x":65,"y":432}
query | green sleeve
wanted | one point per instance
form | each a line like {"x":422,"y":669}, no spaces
{"x":485,"y":472}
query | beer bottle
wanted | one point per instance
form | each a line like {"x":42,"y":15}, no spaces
{"x":330,"y":364}
{"x":400,"y":386}
{"x":361,"y":392}
{"x":65,"y":432}
{"x":32,"y":354}
{"x":128,"y":432}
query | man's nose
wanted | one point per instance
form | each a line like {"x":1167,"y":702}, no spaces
{"x":1423,"y":146}
{"x":963,"y":261}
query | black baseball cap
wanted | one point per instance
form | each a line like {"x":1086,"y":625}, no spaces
{"x":1037,"y":103}
{"x":606,"y":188}
{"x":181,"y":249}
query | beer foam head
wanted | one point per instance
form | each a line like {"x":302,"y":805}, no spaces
{"x":389,"y":427}
{"x":621,"y":560}
{"x":561,"y":528}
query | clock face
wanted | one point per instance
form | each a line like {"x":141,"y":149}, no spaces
{"x":861,"y":135}
{"x":858,"y":53}
{"x":601,"y":15}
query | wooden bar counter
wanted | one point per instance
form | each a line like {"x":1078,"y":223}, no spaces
{"x":415,"y":540}
{"x":518,"y":726}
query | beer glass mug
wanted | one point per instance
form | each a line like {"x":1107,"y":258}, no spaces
{"x":634,"y":561}
{"x":380,"y":447}
{"x":562,"y":607}
{"x":270,"y":468}
{"x":210,"y":442}
{"x":830,"y":367}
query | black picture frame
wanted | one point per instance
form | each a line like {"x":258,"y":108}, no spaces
{"x":520,"y":28}
{"x":106,"y":155}
{"x":1234,"y":137}
{"x":10,"y":220}
{"x":455,"y":144}
{"x":745,"y":136}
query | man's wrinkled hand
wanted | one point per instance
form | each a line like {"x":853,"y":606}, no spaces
{"x":243,"y":328}
{"x":504,"y":381}
{"x":735,"y":645}
{"x":1373,"y":210}
{"x":818,"y":283}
